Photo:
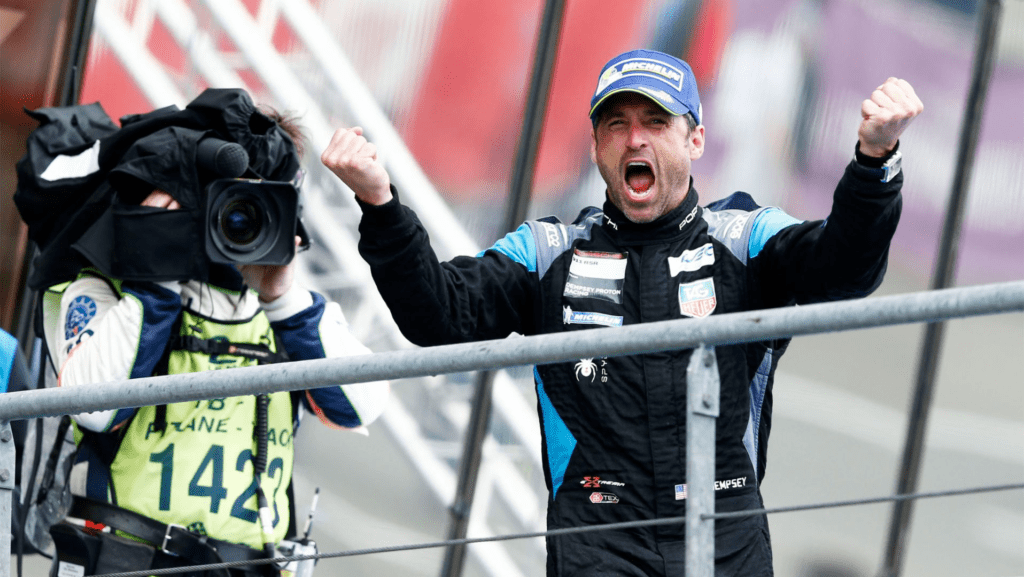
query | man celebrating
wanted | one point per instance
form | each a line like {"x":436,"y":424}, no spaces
{"x":614,"y":429}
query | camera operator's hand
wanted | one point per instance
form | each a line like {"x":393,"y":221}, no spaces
{"x":269,"y":281}
{"x":354,"y":160}
{"x":160,"y":199}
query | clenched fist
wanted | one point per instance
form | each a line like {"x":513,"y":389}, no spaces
{"x":354,"y":160}
{"x":886,"y":115}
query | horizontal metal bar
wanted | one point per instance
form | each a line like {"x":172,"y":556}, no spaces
{"x":898,"y":498}
{"x":623,"y":525}
{"x":749,"y":326}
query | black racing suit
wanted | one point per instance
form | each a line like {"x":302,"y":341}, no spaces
{"x":614,"y":429}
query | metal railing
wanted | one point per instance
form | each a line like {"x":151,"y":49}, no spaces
{"x":740,"y":327}
{"x":702,"y":393}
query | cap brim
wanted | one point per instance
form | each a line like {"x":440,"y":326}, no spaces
{"x":676,"y":109}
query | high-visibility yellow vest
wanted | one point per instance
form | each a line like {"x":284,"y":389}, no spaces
{"x":199,"y":473}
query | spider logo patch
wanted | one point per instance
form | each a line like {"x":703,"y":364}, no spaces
{"x":587,"y":369}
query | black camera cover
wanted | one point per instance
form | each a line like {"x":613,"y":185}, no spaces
{"x":82,"y":178}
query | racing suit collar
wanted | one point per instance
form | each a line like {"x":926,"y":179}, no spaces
{"x":677,"y":222}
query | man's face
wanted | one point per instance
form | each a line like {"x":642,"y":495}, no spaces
{"x":644,"y":155}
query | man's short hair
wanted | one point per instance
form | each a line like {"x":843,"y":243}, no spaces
{"x":691,"y":122}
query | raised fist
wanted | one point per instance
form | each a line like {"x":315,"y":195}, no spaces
{"x":354,"y":160}
{"x":886,"y":115}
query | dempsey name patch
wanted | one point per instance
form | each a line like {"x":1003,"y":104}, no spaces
{"x":606,"y":265}
{"x":597,"y":275}
{"x":697,"y":299}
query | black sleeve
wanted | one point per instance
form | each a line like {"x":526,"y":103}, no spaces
{"x":433,"y":303}
{"x":844,"y":256}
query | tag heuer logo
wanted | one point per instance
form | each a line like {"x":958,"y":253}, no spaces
{"x":697,"y":299}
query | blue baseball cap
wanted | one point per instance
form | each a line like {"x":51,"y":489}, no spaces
{"x":663,"y":78}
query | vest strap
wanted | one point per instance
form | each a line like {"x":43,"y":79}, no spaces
{"x":261,"y":353}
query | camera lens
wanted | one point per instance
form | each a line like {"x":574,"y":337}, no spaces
{"x":241,"y":221}
{"x":251,"y":222}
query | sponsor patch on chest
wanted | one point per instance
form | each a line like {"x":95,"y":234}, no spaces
{"x":697,"y":299}
{"x":691,"y":260}
{"x":597,"y":275}
{"x":589,"y":370}
{"x":571,"y":317}
{"x":599,"y":497}
{"x":598,"y":482}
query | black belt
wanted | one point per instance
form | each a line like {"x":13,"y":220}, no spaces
{"x":173,"y":539}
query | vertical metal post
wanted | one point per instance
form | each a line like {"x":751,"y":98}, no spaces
{"x":518,"y":201}
{"x":78,"y":49}
{"x":79,"y":30}
{"x":702,"y":400}
{"x":469,"y":468}
{"x":533,"y":118}
{"x":79,"y":18}
{"x":6,"y":496}
{"x":945,"y":268}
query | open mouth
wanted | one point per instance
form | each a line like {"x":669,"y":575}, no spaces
{"x":639,"y":177}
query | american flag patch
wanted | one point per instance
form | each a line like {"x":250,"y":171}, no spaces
{"x":680,"y":492}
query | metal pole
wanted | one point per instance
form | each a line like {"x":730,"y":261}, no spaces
{"x":536,"y":107}
{"x":702,"y":400}
{"x":469,"y":468}
{"x":73,"y":62}
{"x":731,"y":328}
{"x":518,"y":201}
{"x":6,"y":496}
{"x":78,"y":48}
{"x":945,"y":269}
{"x":73,"y":65}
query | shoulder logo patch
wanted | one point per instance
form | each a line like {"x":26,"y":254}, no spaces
{"x":697,"y":299}
{"x":691,"y":260}
{"x":80,"y":312}
{"x":552,"y":234}
{"x":736,"y":227}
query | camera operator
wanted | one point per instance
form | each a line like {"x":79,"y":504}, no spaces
{"x":195,"y":482}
